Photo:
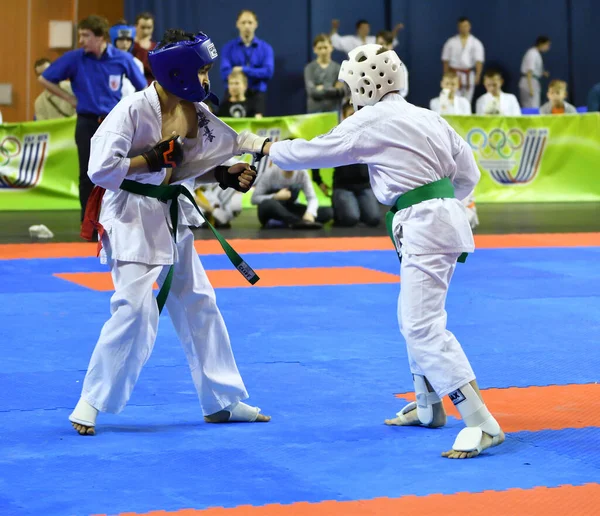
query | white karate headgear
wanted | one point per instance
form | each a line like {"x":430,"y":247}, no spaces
{"x":370,"y":75}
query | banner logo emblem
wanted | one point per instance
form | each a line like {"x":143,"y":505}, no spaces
{"x":509,"y":157}
{"x":22,"y":164}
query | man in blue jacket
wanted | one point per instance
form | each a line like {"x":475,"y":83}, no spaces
{"x":252,"y":56}
{"x":96,"y":72}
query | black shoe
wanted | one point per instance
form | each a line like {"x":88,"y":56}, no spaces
{"x":305,"y":224}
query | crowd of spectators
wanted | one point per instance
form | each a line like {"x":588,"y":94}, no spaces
{"x":112,"y":62}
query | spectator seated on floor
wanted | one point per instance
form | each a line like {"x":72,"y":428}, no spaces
{"x":237,"y":105}
{"x":557,"y":105}
{"x":219,"y":206}
{"x":276,"y":195}
{"x":353,"y":199}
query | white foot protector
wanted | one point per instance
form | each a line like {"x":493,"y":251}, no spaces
{"x":405,"y":410}
{"x":477,"y":418}
{"x":240,"y":412}
{"x":84,"y":414}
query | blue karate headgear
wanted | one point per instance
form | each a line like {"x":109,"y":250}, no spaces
{"x":175,"y":66}
{"x":122,"y":32}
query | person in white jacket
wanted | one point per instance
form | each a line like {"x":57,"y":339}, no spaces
{"x":422,"y":168}
{"x":496,"y":101}
{"x":148,"y":145}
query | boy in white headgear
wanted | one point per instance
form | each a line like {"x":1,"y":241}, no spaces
{"x":422,"y":168}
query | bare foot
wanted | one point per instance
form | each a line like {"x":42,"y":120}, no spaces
{"x":487,"y":441}
{"x":84,"y":430}
{"x":411,"y":418}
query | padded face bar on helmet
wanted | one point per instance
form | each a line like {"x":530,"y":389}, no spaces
{"x":121,"y":32}
{"x":370,"y":75}
{"x":175,"y":66}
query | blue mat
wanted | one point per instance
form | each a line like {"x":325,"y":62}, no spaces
{"x":324,"y":361}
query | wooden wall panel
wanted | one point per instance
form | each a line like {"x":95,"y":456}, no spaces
{"x":13,"y":42}
{"x":24,"y":38}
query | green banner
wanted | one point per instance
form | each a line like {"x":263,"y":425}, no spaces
{"x":522,"y":159}
{"x":534,"y":158}
{"x":38,"y":166}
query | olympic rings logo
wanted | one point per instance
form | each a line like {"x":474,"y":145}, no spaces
{"x":9,"y":148}
{"x":497,"y":142}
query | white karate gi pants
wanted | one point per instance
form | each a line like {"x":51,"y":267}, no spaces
{"x":465,"y":78}
{"x":433,"y":351}
{"x":527,"y":100}
{"x":127,"y":338}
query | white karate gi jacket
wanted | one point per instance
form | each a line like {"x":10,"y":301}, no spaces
{"x":405,"y":147}
{"x":507,"y":105}
{"x":138,"y":227}
{"x":463,"y":58}
{"x":444,"y":106}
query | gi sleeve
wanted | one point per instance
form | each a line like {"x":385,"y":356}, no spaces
{"x":343,"y":43}
{"x":447,"y":50}
{"x":479,"y":52}
{"x":334,"y":149}
{"x":110,"y":146}
{"x":467,"y":173}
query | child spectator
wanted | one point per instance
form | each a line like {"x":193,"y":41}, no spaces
{"x":495,"y":101}
{"x":122,"y":37}
{"x":276,"y":194}
{"x":556,"y":105}
{"x":323,"y":91}
{"x":237,"y":104}
{"x":449,"y":102}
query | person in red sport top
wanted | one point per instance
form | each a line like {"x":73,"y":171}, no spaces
{"x":144,"y":26}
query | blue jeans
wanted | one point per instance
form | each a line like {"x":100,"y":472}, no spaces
{"x":350,"y":207}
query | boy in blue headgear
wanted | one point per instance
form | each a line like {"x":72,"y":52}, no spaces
{"x":122,"y":37}
{"x":153,"y":141}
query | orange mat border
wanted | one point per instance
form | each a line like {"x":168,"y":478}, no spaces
{"x":536,"y":408}
{"x":305,"y":245}
{"x":582,"y":500}
{"x":231,"y":278}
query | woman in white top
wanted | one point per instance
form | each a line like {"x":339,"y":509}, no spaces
{"x":532,"y":70}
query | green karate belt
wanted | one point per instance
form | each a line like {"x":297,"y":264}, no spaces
{"x":165,"y":193}
{"x":441,"y":189}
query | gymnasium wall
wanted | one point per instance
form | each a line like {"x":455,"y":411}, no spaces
{"x":506,"y":27}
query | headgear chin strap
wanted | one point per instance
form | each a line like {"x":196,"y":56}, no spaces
{"x":175,"y":66}
{"x":122,"y":32}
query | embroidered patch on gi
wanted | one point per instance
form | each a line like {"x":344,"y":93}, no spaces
{"x":114,"y":81}
{"x":457,"y":397}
